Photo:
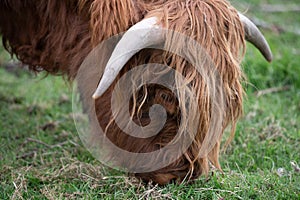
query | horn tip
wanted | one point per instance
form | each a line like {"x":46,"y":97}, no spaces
{"x":270,"y":60}
{"x":269,"y":57}
{"x":95,"y":96}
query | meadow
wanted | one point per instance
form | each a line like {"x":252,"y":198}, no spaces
{"x":42,"y":157}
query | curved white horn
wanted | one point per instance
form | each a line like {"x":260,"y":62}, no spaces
{"x":147,"y":32}
{"x":254,"y":36}
{"x":142,"y":35}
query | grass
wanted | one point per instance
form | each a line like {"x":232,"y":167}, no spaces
{"x":41,"y":156}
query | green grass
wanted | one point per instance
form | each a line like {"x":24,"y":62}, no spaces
{"x":41,"y":155}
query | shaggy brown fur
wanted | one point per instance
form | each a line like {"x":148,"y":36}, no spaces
{"x":57,"y":35}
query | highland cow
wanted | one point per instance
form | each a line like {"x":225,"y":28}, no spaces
{"x":56,"y":36}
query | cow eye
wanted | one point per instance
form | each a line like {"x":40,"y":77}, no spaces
{"x":166,"y":98}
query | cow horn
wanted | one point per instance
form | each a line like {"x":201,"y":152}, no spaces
{"x":148,"y":34}
{"x":254,"y":36}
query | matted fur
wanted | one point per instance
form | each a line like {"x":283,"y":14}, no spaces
{"x":56,"y":36}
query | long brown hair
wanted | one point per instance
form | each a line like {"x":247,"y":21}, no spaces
{"x":56,"y":36}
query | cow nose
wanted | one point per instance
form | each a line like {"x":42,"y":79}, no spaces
{"x":159,"y":178}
